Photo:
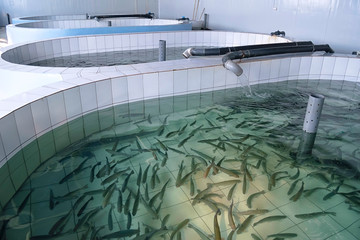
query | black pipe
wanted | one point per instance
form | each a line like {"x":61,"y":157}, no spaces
{"x":221,"y":51}
{"x":278,"y":33}
{"x":8,"y":18}
{"x":275,"y":50}
{"x":183,"y":19}
{"x":147,"y":15}
{"x":230,"y":65}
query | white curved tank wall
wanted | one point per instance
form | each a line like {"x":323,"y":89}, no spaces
{"x":22,"y":8}
{"x":13,"y":58}
{"x":33,"y":31}
{"x":335,"y":22}
{"x":49,"y":17}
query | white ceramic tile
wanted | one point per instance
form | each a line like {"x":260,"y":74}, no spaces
{"x":25,"y":123}
{"x":207,"y":78}
{"x":25,"y":53}
{"x":83,"y":44}
{"x":258,"y":39}
{"x":185,"y":38}
{"x":275,"y":69}
{"x":32,"y":52}
{"x":135,"y":87}
{"x":353,"y":67}
{"x":305,"y":66}
{"x":166,"y":83}
{"x":74,"y":45}
{"x":294,"y":66}
{"x":171,"y":39}
{"x":2,"y":152}
{"x":41,"y":115}
{"x":40,"y":49}
{"x":151,"y":85}
{"x":149,"y":40}
{"x":125,"y":42}
{"x":340,"y":66}
{"x":119,"y":89}
{"x":222,"y":39}
{"x":48,"y":49}
{"x":100,"y":43}
{"x":180,"y":81}
{"x":88,"y":97}
{"x":117,"y":42}
{"x":163,"y":36}
{"x":199,"y":37}
{"x":219,"y":76}
{"x":328,"y":66}
{"x":109,"y":42}
{"x":245,"y":39}
{"x":237,"y":39}
{"x":56,"y":44}
{"x":251,"y":39}
{"x":104,"y":93}
{"x":194,"y":79}
{"x":177,"y":39}
{"x":156,"y":38}
{"x":316,"y":65}
{"x":91,"y":41}
{"x":254,"y":72}
{"x":65,"y":45}
{"x":231,"y":79}
{"x":265,"y":68}
{"x":192,"y":38}
{"x":9,"y":133}
{"x":133,"y":41}
{"x":72,"y":102}
{"x":284,"y":68}
{"x":229,"y":38}
{"x":57,"y":108}
{"x":214,"y":38}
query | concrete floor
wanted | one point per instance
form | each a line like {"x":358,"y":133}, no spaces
{"x":3,"y":38}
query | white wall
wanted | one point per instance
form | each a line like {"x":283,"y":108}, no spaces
{"x":336,"y":22}
{"x":21,"y":8}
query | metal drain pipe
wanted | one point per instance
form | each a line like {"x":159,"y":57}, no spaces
{"x":162,"y":50}
{"x":235,"y":68}
{"x":313,"y":112}
{"x":311,"y":123}
{"x":221,"y":51}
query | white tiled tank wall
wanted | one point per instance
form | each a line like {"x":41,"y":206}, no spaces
{"x":83,"y":23}
{"x":38,"y":51}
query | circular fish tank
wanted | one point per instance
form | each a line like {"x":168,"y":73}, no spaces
{"x":39,"y":30}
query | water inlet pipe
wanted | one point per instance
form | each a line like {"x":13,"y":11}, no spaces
{"x":236,"y":69}
{"x":109,"y":23}
{"x":311,"y":123}
{"x":221,"y":51}
{"x":162,"y":50}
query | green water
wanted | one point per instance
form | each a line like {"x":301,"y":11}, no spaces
{"x":188,"y":145}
